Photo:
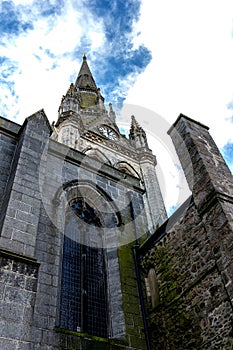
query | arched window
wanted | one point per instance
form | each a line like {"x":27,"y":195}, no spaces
{"x":152,"y":288}
{"x":84,"y":306}
{"x":126,"y":168}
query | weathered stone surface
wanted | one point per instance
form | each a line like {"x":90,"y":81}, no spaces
{"x":192,"y":254}
{"x":193,"y":299}
{"x":187,"y":262}
{"x":18,"y":277}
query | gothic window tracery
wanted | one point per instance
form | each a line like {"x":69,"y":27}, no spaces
{"x":126,"y":168}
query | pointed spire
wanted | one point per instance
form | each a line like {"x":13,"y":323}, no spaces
{"x":82,"y":95}
{"x":137,"y":135}
{"x":135,"y":125}
{"x":85,"y":80}
{"x":111,"y":113}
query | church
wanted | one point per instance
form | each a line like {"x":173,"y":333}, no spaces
{"x":88,"y":257}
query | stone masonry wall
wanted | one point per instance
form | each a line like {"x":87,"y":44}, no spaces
{"x":156,"y":212}
{"x":192,"y":256}
{"x":19,"y":219}
{"x":64,"y":169}
{"x":40,"y":174}
{"x":211,"y":183}
{"x":194,"y":310}
{"x":18,"y":285}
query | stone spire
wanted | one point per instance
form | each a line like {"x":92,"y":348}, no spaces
{"x":85,"y":80}
{"x":137,"y":135}
{"x":80,"y":96}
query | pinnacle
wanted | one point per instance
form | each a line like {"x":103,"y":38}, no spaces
{"x":134,"y":124}
{"x":85,"y":79}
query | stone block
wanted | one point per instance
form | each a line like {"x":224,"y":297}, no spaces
{"x":18,"y":296}
{"x":24,"y":346}
{"x":10,"y":312}
{"x":8,"y":344}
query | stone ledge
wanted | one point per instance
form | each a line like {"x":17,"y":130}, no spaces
{"x":91,"y":337}
{"x":19,"y":257}
{"x":8,"y":127}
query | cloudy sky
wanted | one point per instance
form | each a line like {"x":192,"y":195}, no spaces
{"x":159,"y":58}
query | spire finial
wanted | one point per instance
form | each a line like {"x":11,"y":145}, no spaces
{"x":84,"y":56}
{"x":137,"y":135}
{"x":134,"y":124}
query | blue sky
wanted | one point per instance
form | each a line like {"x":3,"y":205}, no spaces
{"x":102,"y":29}
{"x":168,"y":56}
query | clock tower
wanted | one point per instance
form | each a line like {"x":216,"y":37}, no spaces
{"x":85,"y":124}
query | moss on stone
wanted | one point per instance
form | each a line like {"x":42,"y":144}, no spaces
{"x":170,"y":322}
{"x":88,"y":100}
{"x":131,"y":302}
{"x":95,"y":341}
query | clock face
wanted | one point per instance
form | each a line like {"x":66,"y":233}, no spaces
{"x":108,"y":132}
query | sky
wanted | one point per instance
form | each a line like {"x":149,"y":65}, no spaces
{"x":155,"y":59}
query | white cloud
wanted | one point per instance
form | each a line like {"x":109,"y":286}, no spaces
{"x":22,"y":2}
{"x":191,"y":70}
{"x":45,"y":60}
{"x":172,"y":181}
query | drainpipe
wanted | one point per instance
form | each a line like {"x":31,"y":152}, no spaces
{"x":140,"y":292}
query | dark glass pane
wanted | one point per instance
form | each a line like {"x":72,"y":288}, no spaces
{"x":85,"y":212}
{"x":95,"y":280}
{"x":84,"y":285}
{"x":70,"y":317}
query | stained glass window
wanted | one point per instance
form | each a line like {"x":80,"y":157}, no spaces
{"x":84,"y":283}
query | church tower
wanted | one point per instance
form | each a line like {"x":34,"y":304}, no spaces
{"x":80,"y":207}
{"x":86,"y":125}
{"x":77,"y":198}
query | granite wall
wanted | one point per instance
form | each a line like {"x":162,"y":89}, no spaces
{"x":40,"y":177}
{"x":187,"y":264}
